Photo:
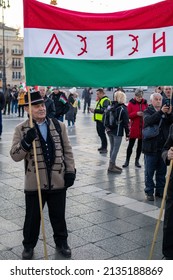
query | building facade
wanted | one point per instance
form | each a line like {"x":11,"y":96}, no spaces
{"x":14,"y":57}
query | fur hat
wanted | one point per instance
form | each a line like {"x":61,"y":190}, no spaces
{"x":36,"y":98}
{"x":72,"y":90}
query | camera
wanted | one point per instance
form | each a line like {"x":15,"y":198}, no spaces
{"x":168,"y":102}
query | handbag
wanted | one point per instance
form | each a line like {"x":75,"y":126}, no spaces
{"x":151,"y":131}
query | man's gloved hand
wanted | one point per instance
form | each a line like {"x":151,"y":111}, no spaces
{"x":69,"y":179}
{"x":31,"y":135}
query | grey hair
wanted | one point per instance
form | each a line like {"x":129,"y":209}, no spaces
{"x":155,"y":94}
{"x":42,"y":87}
{"x":139,"y":92}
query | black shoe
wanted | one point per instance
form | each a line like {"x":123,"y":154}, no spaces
{"x":103,"y":151}
{"x":126,"y":163}
{"x":64,"y":249}
{"x":27,"y":253}
{"x":137,"y":164}
{"x":160,"y":195}
{"x":150,"y":197}
{"x":99,"y":149}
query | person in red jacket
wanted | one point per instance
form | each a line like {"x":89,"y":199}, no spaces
{"x":135,"y":108}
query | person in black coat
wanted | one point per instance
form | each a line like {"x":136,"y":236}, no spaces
{"x":167,"y":244}
{"x":2,"y":104}
{"x":116,"y":132}
{"x":61,"y":103}
{"x":152,"y":148}
{"x":50,"y":106}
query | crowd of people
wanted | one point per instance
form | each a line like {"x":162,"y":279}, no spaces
{"x":124,"y":119}
{"x":157,"y":148}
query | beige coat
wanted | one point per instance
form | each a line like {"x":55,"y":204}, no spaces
{"x":18,"y":153}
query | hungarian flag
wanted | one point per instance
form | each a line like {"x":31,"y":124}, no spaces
{"x":128,"y":48}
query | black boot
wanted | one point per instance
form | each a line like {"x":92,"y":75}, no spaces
{"x":137,"y":164}
{"x":126,"y":163}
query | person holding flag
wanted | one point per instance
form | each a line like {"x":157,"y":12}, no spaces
{"x":56,"y":171}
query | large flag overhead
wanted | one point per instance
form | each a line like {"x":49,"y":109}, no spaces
{"x":67,"y":48}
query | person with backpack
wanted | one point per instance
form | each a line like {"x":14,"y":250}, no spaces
{"x":102,"y":103}
{"x":56,"y":172}
{"x":116,"y":121}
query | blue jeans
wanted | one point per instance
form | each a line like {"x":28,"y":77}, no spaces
{"x":154,"y":167}
{"x":14,"y":106}
{"x":115,"y":142}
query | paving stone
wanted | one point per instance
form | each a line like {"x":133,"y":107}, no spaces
{"x":143,"y":236}
{"x":97,"y":217}
{"x":117,"y":245}
{"x":141,"y":254}
{"x":119,"y":212}
{"x":118,"y":226}
{"x":12,"y":213}
{"x":93,"y":233}
{"x":90,"y":252}
{"x":140,"y":220}
{"x":11,"y":239}
{"x":76,"y":223}
{"x":84,"y":198}
{"x":8,"y":226}
{"x":8,"y":255}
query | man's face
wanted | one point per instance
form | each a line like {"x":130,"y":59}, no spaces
{"x":99,"y":95}
{"x":168,"y":92}
{"x":42,"y":91}
{"x":56,"y":91}
{"x":157,"y":102}
{"x":38,"y":112}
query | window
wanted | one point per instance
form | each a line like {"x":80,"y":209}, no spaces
{"x":16,"y":75}
{"x":16,"y":62}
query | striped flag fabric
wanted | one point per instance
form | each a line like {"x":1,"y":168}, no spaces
{"x":128,"y":48}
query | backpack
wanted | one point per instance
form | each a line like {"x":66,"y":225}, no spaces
{"x":111,"y":118}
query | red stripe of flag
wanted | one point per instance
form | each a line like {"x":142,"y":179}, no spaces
{"x":40,"y":15}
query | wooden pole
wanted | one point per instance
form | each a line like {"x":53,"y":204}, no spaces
{"x":38,"y":180}
{"x":161,"y":210}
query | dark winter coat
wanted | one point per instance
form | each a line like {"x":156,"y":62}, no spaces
{"x":2,"y":100}
{"x":61,"y":103}
{"x":123,"y":120}
{"x":136,"y":122}
{"x":50,"y":107}
{"x":151,"y":117}
{"x":70,"y":114}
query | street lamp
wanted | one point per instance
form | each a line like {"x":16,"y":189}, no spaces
{"x":3,"y":5}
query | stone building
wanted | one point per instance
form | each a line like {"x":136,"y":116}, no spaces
{"x":14,"y":57}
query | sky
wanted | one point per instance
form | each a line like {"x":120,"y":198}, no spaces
{"x":13,"y":16}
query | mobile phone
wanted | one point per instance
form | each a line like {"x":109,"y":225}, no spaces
{"x":168,"y":102}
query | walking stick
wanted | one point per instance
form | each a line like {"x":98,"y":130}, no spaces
{"x":38,"y":180}
{"x":161,"y":210}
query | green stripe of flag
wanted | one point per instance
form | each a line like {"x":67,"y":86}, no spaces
{"x":98,"y":73}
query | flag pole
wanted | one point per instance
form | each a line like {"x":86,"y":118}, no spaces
{"x":161,"y":210}
{"x":38,"y":180}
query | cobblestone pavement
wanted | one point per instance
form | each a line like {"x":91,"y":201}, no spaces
{"x":107,"y":215}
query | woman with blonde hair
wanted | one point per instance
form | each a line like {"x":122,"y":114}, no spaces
{"x":116,"y":131}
